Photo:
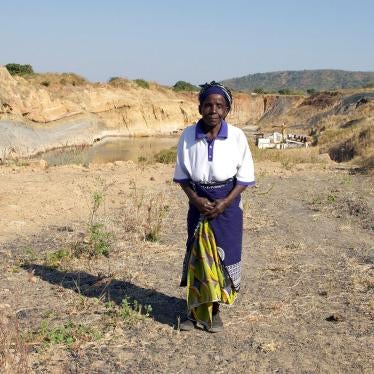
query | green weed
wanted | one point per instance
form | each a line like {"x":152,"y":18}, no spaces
{"x":128,"y":311}
{"x":56,"y":258}
{"x":97,"y":200}
{"x":100,"y":240}
{"x":65,"y":334}
{"x":30,"y":255}
{"x":331,"y":198}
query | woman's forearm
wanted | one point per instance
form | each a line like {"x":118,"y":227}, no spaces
{"x":237,"y":190}
{"x":201,"y":203}
{"x":191,"y":194}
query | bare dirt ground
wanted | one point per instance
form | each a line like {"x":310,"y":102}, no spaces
{"x":306,"y":303}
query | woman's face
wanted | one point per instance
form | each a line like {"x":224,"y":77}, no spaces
{"x":213,"y":110}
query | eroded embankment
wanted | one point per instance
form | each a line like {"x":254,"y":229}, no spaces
{"x":35,"y":116}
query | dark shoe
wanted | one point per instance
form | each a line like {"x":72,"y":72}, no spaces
{"x":186,"y":325}
{"x":217,"y":324}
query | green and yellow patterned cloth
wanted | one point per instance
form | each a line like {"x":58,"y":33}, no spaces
{"x":207,"y":281}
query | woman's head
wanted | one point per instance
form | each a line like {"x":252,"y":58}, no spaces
{"x":215,"y":103}
{"x":215,"y":88}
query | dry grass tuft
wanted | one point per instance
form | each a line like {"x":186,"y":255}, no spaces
{"x":362,"y":275}
{"x":144,"y":213}
{"x":267,"y":347}
{"x":13,"y":352}
{"x":55,"y":79}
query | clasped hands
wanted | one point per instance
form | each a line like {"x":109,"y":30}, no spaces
{"x":210,"y":209}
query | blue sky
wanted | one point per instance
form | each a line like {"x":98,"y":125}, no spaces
{"x":197,"y":41}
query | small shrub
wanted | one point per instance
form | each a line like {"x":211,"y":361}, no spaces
{"x":18,"y":69}
{"x":100,"y":240}
{"x":144,"y":214}
{"x":45,"y":83}
{"x":184,"y":86}
{"x":156,"y":211}
{"x":166,"y":156}
{"x":142,"y":83}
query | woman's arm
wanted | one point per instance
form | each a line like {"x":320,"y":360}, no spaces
{"x":203,"y":205}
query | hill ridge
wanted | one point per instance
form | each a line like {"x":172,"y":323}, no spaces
{"x":302,"y":80}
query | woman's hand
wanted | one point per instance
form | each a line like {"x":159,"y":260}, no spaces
{"x":208,"y":208}
{"x":203,"y":205}
{"x":219,"y":206}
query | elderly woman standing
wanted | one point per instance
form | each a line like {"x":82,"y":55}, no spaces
{"x":214,"y":166}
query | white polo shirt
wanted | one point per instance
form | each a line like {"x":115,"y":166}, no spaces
{"x":224,"y":157}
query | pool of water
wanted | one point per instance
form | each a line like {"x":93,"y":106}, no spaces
{"x":110,"y":150}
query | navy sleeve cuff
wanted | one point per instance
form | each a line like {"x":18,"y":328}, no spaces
{"x":248,"y":184}
{"x":185,"y":180}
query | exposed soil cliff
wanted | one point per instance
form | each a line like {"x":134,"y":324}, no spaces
{"x":35,"y":116}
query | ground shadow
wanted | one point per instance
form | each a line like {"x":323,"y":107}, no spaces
{"x":165,"y":309}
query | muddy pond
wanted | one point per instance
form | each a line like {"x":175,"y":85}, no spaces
{"x":110,"y":150}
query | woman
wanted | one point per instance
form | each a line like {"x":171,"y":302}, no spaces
{"x":214,"y":166}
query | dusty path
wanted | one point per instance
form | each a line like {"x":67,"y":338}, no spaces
{"x":307,"y":290}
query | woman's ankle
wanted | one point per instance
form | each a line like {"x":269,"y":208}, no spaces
{"x":215,"y":308}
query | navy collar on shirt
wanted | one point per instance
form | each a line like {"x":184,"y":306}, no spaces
{"x":199,"y":133}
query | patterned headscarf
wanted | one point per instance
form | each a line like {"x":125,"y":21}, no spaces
{"x":215,"y":88}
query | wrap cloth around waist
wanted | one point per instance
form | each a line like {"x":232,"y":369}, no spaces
{"x":227,"y":229}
